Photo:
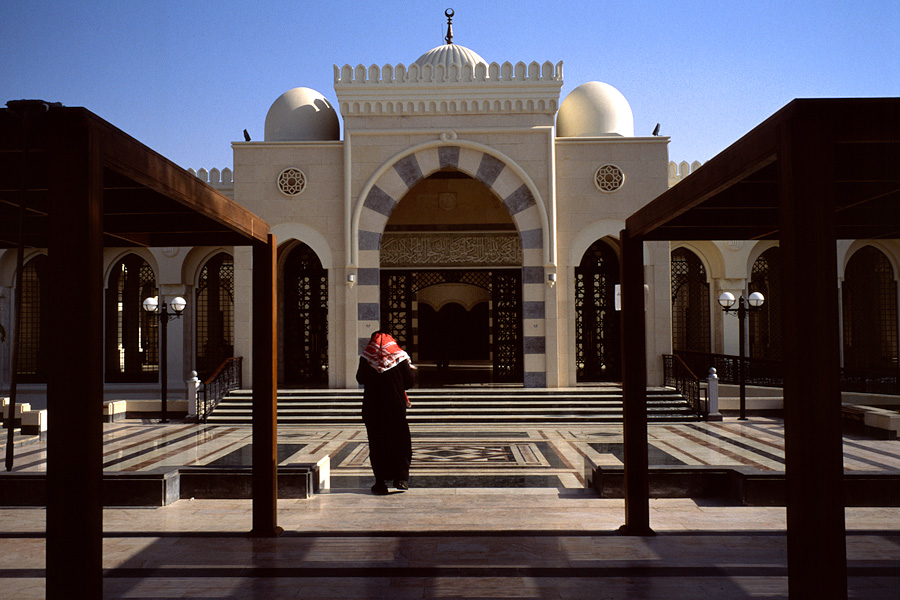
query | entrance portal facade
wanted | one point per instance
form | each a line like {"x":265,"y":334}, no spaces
{"x":427,"y":312}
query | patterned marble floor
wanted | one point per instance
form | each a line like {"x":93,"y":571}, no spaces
{"x":463,"y":531}
{"x":465,"y":456}
{"x":465,"y":543}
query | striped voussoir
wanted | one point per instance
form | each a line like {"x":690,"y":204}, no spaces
{"x":516,"y":195}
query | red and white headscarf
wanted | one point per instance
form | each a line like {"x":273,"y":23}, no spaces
{"x":384,"y":353}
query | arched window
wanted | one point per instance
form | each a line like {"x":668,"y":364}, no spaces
{"x":305,"y":319}
{"x":597,"y":328}
{"x":870,"y":311}
{"x":34,"y":333}
{"x":132,"y":334}
{"x":690,"y":303}
{"x":215,"y":314}
{"x":765,"y":323}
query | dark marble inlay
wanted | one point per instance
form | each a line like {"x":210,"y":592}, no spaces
{"x":519,"y":200}
{"x":467,"y":434}
{"x":532,"y":239}
{"x":533,"y":309}
{"x":368,"y":311}
{"x":379,"y":201}
{"x":158,"y":443}
{"x":489,"y":169}
{"x":448,"y":156}
{"x":655,"y":456}
{"x":369,"y":240}
{"x":535,"y":380}
{"x":243,"y":456}
{"x":409,"y":170}
{"x":456,"y":481}
{"x":532,"y":274}
{"x":726,"y":439}
{"x":369,"y":276}
{"x":534,"y":345}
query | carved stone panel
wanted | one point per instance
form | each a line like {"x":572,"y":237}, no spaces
{"x":450,"y":249}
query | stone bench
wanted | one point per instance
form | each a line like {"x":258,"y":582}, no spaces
{"x":21,"y":408}
{"x":870,"y":420}
{"x":114,"y":410}
{"x":34,"y":422}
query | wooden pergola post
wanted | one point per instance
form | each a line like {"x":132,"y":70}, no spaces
{"x":75,"y":383}
{"x":634,"y":388}
{"x":817,"y":554}
{"x":265,"y":438}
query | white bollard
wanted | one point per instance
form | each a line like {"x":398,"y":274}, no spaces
{"x":712,"y":389}
{"x":193,"y":390}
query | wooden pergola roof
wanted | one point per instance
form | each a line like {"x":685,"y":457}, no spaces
{"x":147,"y":200}
{"x":735,"y":195}
{"x":85,"y":184}
{"x":817,"y":171}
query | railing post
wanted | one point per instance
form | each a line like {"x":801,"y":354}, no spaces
{"x":712,"y":390}
{"x":193,"y":388}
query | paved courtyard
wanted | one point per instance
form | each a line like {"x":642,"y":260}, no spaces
{"x":496,"y":512}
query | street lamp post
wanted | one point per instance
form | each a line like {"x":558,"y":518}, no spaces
{"x":152,"y":305}
{"x":726,"y":301}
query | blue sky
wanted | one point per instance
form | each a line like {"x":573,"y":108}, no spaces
{"x":185,"y":78}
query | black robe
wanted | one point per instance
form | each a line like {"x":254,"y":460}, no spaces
{"x":384,"y":413}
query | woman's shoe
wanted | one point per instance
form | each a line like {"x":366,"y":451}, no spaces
{"x":401,"y":485}
{"x":379,"y":489}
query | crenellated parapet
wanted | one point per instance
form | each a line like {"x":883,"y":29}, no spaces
{"x":679,"y":171}
{"x":455,"y":89}
{"x":221,"y":180}
{"x":506,"y":73}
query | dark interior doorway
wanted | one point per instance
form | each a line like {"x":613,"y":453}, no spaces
{"x":455,"y":345}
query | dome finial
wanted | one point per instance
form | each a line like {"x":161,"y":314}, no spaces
{"x":449,"y":14}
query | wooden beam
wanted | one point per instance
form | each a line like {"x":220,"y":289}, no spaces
{"x":816,"y":545}
{"x":132,"y":159}
{"x":634,"y":388}
{"x":75,"y":383}
{"x":265,"y":373}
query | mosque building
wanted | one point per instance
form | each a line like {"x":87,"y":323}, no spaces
{"x":470,"y":211}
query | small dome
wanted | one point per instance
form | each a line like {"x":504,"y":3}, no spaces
{"x":301,"y":115}
{"x":594,"y":109}
{"x":450,"y":54}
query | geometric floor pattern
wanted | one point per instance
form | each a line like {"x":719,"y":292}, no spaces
{"x":461,"y":532}
{"x":464,"y":455}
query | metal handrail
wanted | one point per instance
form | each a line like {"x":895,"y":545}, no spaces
{"x":757,"y":371}
{"x":226,"y":378}
{"x":769,"y":373}
{"x":679,"y":376}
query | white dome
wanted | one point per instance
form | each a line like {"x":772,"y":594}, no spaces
{"x":594,"y":109}
{"x":301,"y":114}
{"x":450,"y":54}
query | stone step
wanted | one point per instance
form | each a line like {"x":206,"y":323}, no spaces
{"x":448,"y":406}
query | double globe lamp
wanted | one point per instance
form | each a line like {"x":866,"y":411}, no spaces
{"x":152,"y":305}
{"x":727,"y":301}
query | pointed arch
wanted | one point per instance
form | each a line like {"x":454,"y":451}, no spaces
{"x":869,"y":303}
{"x":765,"y":322}
{"x":132,"y":334}
{"x":690,"y":302}
{"x":304,"y":305}
{"x":214,"y":313}
{"x":597,"y":328}
{"x":34,"y":333}
{"x":501,"y":175}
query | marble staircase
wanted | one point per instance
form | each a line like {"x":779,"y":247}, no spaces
{"x":477,"y":405}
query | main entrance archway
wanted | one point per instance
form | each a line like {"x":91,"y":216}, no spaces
{"x":451,"y":282}
{"x":475,"y":234}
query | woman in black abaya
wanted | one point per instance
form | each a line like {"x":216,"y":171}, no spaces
{"x":386,"y":373}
